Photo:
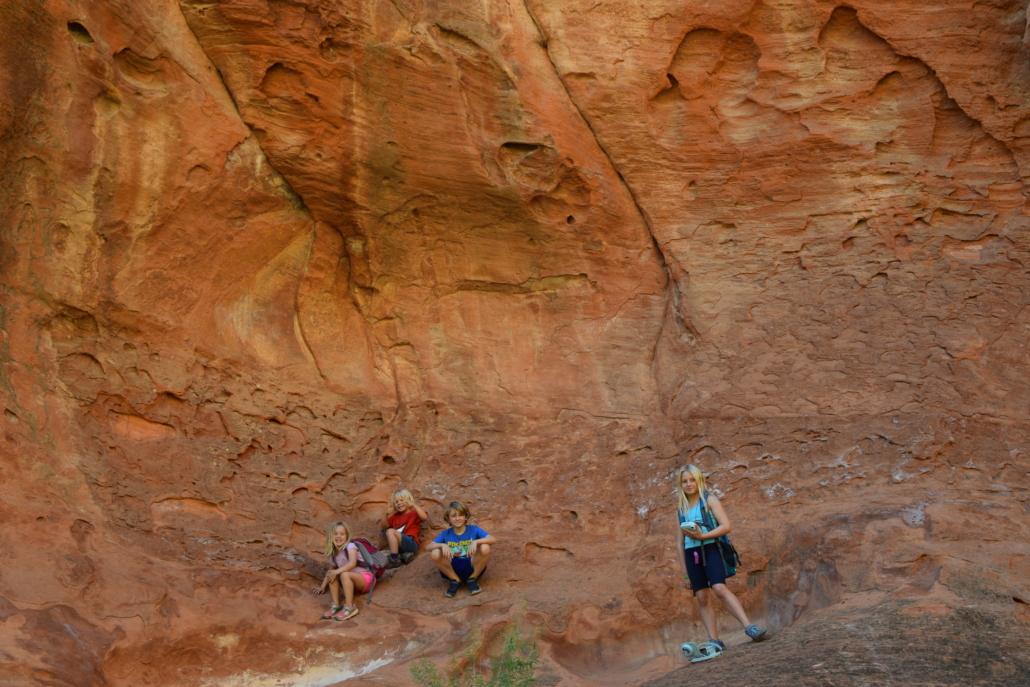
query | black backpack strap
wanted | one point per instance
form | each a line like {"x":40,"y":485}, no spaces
{"x":723,"y":542}
{"x":708,"y":520}
{"x":707,"y":515}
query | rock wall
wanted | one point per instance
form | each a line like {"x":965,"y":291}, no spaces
{"x":263,"y":261}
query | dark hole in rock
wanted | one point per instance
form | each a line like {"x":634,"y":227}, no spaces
{"x":523,"y":148}
{"x":570,"y":219}
{"x":80,"y":32}
{"x":389,"y":460}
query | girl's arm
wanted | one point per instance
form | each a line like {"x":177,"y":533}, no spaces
{"x":352,"y":562}
{"x":320,"y":589}
{"x":333,"y":572}
{"x":422,"y":514}
{"x":723,"y":520}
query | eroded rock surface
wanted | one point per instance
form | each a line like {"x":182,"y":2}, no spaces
{"x":263,"y":261}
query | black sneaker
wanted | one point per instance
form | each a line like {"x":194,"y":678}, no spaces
{"x":393,"y":562}
{"x":407,"y":556}
{"x":473,"y":586}
{"x":452,"y":589}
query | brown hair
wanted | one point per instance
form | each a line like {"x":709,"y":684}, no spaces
{"x":456,"y":507}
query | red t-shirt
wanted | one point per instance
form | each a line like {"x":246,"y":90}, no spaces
{"x":409,"y":520}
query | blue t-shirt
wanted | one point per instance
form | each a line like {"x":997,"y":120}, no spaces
{"x":460,"y":543}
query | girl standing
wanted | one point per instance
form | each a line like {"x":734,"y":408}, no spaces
{"x":345,"y":572}
{"x":702,"y":560}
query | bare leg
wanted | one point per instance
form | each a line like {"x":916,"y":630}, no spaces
{"x":444,"y":565}
{"x":705,"y":600}
{"x":729,"y":599}
{"x":393,"y":539}
{"x":352,"y":582}
{"x":334,"y":590}
{"x":480,"y":560}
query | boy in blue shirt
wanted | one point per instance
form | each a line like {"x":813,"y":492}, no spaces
{"x":462,"y":551}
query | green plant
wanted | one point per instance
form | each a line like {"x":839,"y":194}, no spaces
{"x":515,"y":666}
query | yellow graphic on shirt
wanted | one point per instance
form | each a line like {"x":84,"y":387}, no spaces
{"x":460,"y":549}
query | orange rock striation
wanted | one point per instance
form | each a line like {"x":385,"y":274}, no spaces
{"x":263,"y":261}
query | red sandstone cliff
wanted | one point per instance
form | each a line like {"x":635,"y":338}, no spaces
{"x":263,"y":261}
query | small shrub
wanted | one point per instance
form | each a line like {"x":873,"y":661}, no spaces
{"x":514,"y":667}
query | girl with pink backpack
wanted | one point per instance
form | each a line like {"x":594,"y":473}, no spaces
{"x":348,"y":572}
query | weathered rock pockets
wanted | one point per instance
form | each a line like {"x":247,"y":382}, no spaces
{"x":263,"y":262}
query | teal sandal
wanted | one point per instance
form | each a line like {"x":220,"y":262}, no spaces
{"x":690,"y":651}
{"x":708,"y":651}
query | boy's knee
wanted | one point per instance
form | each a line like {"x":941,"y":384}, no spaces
{"x":435,"y":553}
{"x":484,"y":550}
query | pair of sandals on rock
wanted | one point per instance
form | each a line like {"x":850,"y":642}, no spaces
{"x":340,"y":612}
{"x":705,"y":651}
{"x":696,"y":653}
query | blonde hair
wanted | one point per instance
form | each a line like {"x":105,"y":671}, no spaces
{"x":702,"y":488}
{"x":456,"y":507}
{"x":330,"y":545}
{"x":402,"y":494}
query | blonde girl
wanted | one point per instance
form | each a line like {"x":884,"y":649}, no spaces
{"x":402,"y":522}
{"x":345,"y":572}
{"x":702,"y":562}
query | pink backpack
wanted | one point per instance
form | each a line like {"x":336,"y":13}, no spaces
{"x":372,"y":558}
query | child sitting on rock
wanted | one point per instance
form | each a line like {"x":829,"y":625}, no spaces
{"x":461,"y":552}
{"x":346,"y":571}
{"x":402,"y":522}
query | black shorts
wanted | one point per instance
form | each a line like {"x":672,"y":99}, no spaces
{"x":408,"y":544}
{"x":706,"y":572}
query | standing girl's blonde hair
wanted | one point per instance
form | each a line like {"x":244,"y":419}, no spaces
{"x":684,"y":502}
{"x":330,"y":546}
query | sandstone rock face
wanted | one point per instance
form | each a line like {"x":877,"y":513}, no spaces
{"x":264,"y":261}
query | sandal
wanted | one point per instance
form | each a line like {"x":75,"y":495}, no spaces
{"x":346,"y":613}
{"x":708,"y":650}
{"x":333,"y":610}
{"x":690,"y":651}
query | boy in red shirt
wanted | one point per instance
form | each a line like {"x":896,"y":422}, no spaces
{"x":402,"y":522}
